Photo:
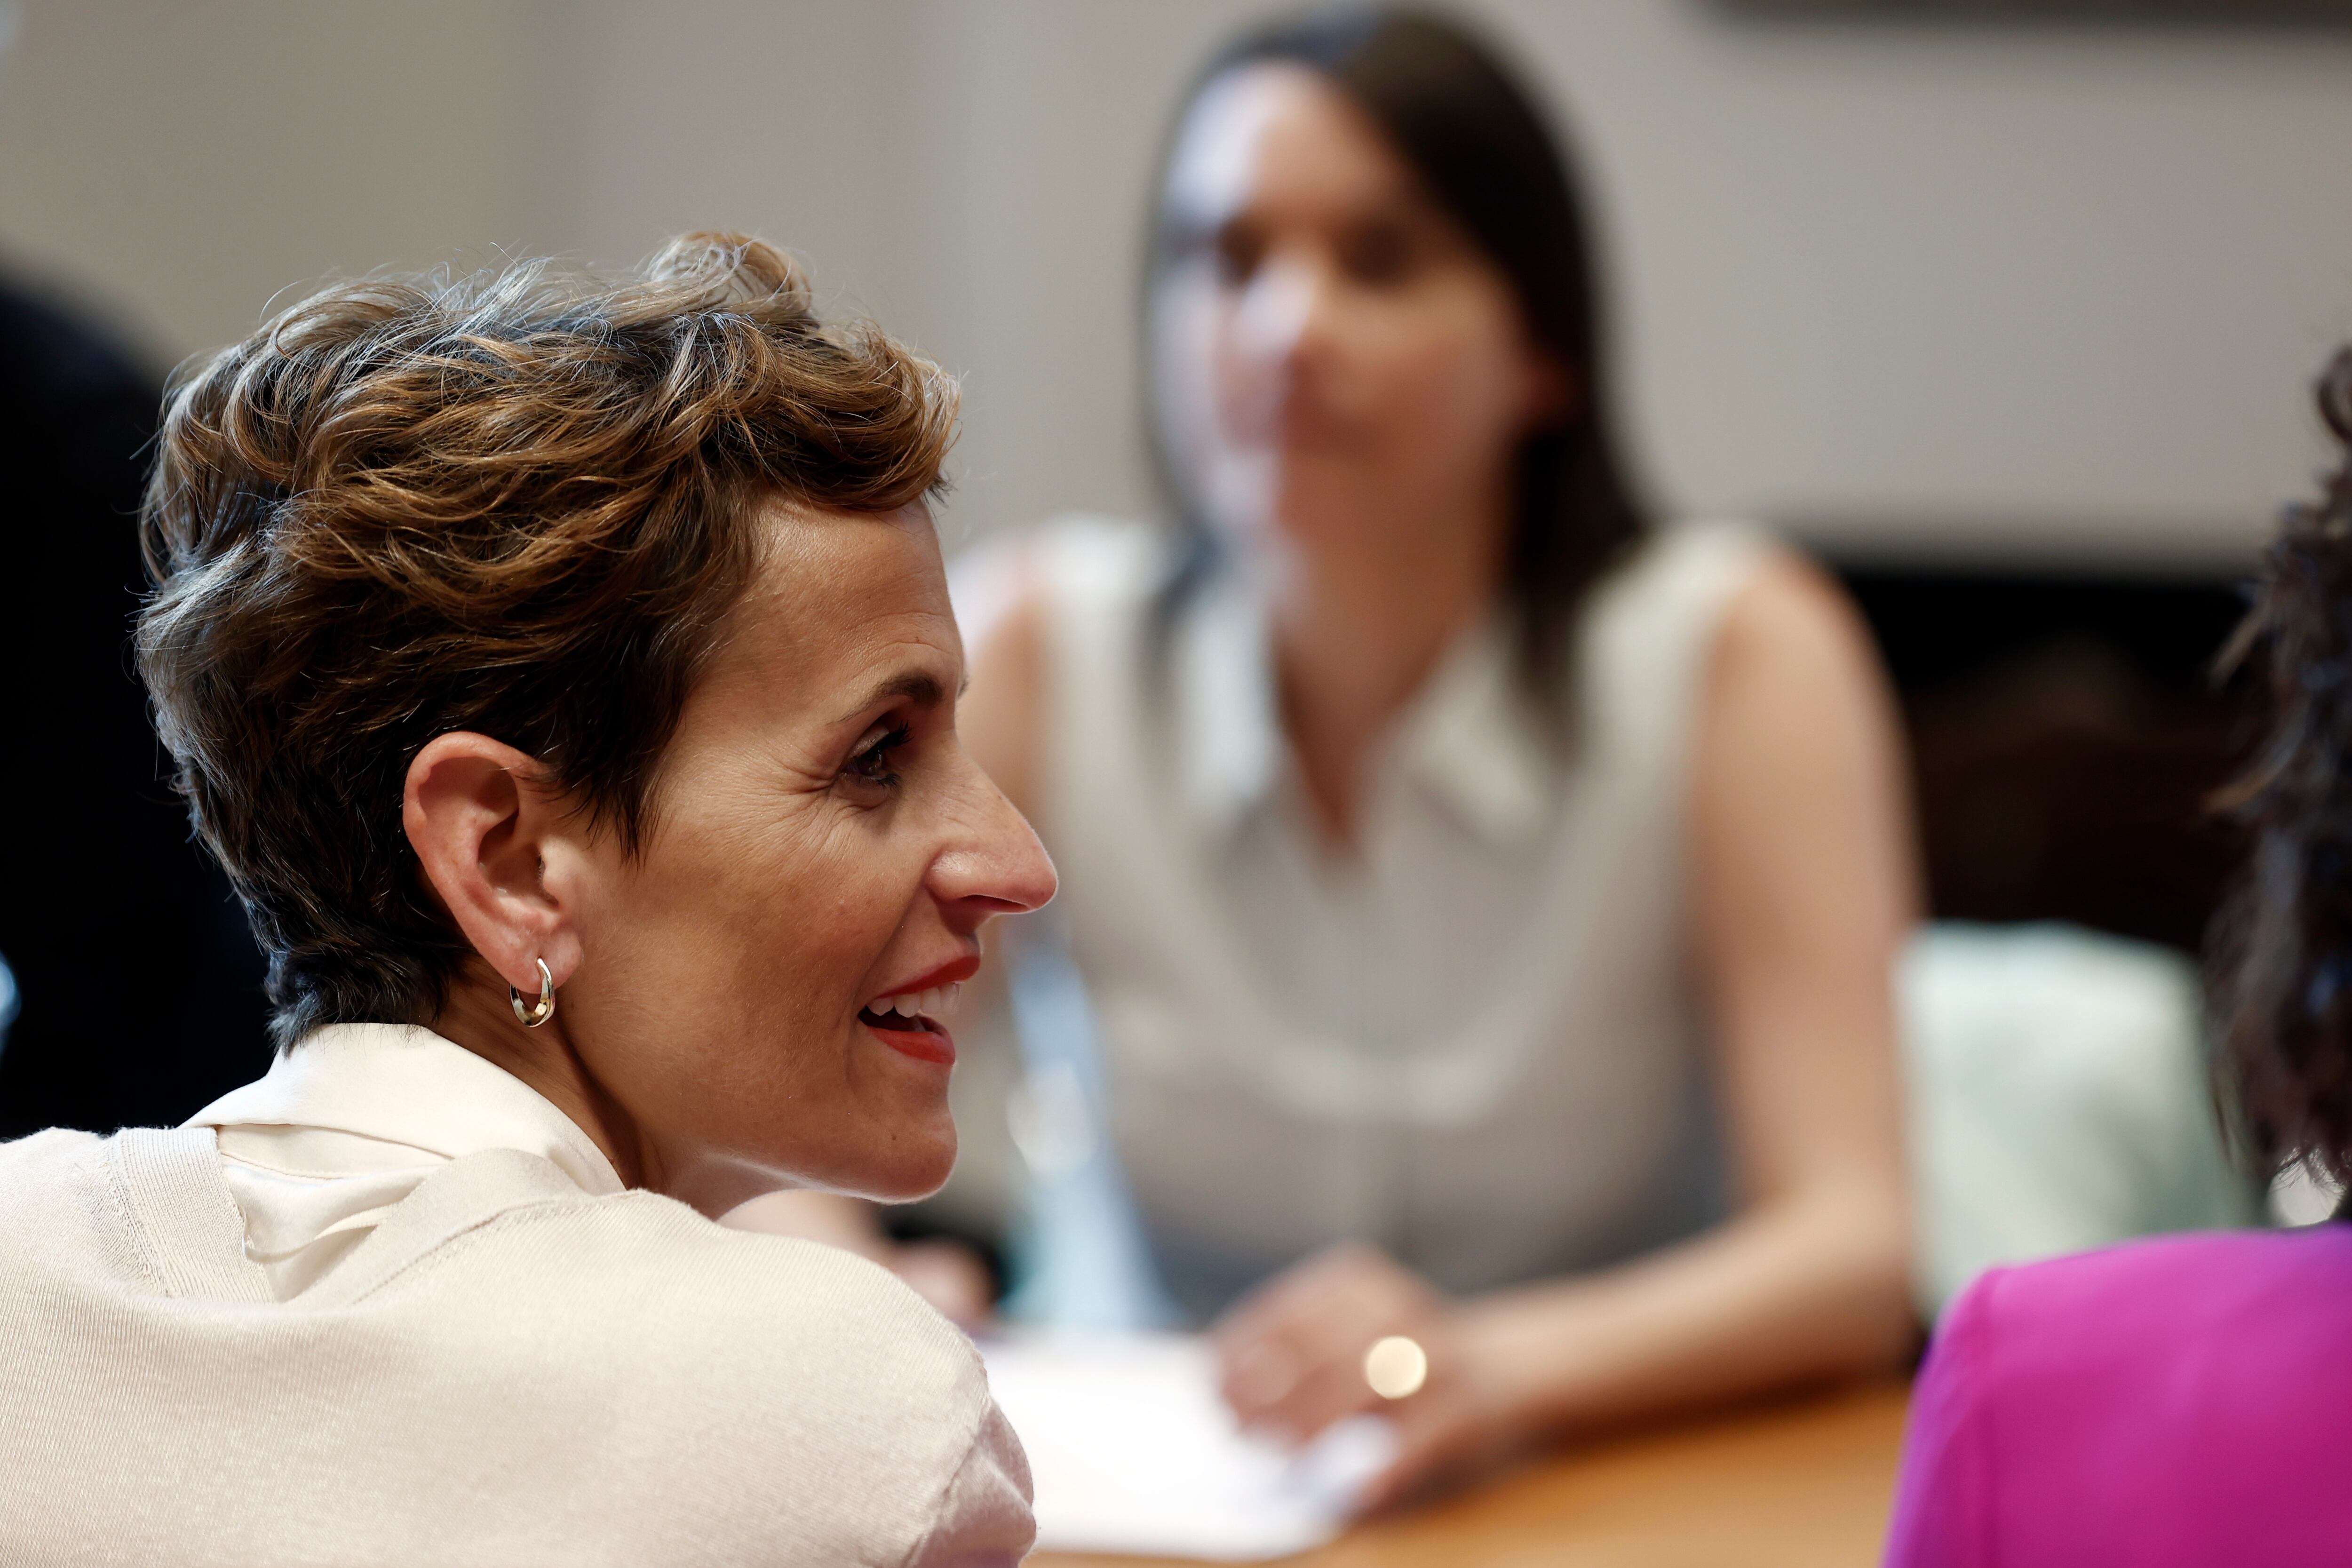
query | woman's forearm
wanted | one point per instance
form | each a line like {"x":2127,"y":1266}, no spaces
{"x":1783,"y":1294}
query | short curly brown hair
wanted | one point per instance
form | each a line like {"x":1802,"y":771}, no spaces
{"x":521,"y":503}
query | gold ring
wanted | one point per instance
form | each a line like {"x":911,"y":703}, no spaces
{"x":1396,"y":1367}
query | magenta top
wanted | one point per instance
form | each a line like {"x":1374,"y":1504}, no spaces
{"x":2185,"y":1400}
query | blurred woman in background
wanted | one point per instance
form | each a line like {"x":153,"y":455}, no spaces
{"x":1487,"y":898}
{"x":2181,"y":1401}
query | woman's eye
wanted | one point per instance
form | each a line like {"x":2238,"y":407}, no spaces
{"x":870,"y":763}
{"x":1239,"y":251}
{"x":1378,"y":254}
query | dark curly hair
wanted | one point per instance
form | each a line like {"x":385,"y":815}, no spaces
{"x":519,"y":503}
{"x":2282,"y":957}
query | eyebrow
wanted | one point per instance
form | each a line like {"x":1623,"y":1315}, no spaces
{"x":919,"y":687}
{"x":1184,"y":231}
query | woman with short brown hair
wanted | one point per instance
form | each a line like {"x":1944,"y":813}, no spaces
{"x":563,"y":669}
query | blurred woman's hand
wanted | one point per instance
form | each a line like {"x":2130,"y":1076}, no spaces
{"x":1294,"y":1355}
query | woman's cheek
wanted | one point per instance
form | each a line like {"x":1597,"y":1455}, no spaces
{"x":875,"y":886}
{"x":1459,"y":388}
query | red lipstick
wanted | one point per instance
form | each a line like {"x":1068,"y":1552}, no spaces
{"x":905,"y":1016}
{"x":926,"y":1041}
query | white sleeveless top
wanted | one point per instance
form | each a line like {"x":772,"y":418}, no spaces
{"x":1473,"y":1041}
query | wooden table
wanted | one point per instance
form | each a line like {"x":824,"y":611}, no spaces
{"x":1805,"y":1482}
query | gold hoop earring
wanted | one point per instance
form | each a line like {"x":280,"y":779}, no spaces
{"x":532,"y":1017}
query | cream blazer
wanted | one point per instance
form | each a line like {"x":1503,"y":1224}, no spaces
{"x":503,"y":1367}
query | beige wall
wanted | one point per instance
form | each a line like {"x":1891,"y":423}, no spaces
{"x":2047,"y":291}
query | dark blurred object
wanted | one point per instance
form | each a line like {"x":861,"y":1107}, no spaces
{"x":140,"y":985}
{"x":2066,"y":736}
{"x":2266,"y":13}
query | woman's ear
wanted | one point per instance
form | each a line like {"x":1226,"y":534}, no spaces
{"x":485,"y":830}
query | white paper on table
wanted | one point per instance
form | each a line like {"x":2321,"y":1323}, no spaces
{"x":1133,"y":1450}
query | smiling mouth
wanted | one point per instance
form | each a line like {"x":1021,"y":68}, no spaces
{"x":907,"y":1025}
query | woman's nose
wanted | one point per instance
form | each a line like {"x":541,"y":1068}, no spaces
{"x":1281,"y":308}
{"x":999,"y":868}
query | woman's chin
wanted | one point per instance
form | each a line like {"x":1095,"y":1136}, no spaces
{"x":1319,"y":507}
{"x":916,"y":1166}
{"x":907,"y":1146}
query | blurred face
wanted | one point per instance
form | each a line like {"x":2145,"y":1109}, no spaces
{"x":1340,"y":364}
{"x":764,"y":989}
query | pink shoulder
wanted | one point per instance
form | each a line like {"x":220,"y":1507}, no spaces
{"x":2167,"y":1285}
{"x":2175,"y":1399}
{"x":2086,"y":1331}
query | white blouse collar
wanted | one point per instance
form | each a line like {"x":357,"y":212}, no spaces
{"x":400,"y":1084}
{"x":1470,"y":736}
{"x":1474,"y":738}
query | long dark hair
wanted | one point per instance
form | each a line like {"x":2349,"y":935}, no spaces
{"x":2282,"y":958}
{"x":1476,"y":138}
